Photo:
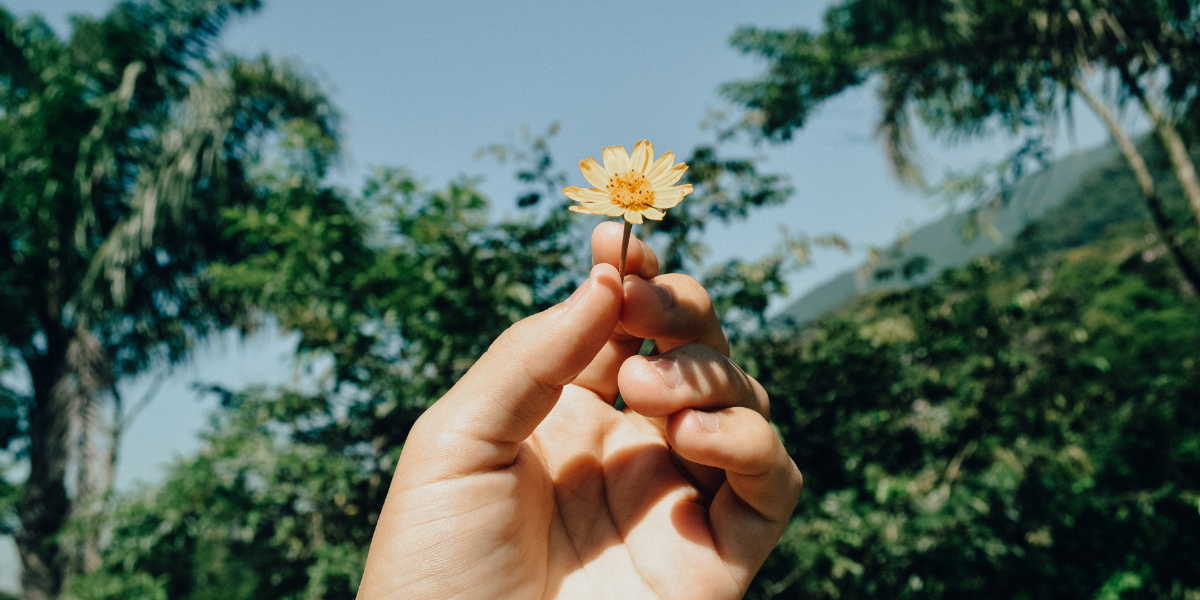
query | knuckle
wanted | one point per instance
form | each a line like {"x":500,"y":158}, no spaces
{"x":524,"y":332}
{"x":689,"y":291}
{"x":796,"y":482}
{"x":509,"y":337}
{"x":762,"y":400}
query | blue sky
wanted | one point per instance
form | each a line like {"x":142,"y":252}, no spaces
{"x":424,"y":84}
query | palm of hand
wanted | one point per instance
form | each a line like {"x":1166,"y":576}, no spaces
{"x":604,"y":509}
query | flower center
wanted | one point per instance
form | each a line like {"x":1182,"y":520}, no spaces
{"x":631,"y":190}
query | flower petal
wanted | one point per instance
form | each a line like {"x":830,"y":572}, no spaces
{"x":669,"y":197}
{"x":616,"y":160}
{"x":594,"y":173}
{"x":633,"y":216}
{"x":669,"y":177}
{"x":643,"y":154}
{"x":584,"y":210}
{"x":612,"y":210}
{"x":588,"y":196}
{"x":663,"y":163}
{"x":654,"y":215}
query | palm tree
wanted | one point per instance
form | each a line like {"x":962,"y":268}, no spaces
{"x":982,"y":66}
{"x":119,"y":149}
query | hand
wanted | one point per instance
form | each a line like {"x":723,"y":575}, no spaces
{"x":525,"y":482}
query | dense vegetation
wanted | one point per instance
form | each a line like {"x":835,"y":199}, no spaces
{"x":1025,"y":426}
{"x":119,"y":148}
{"x":1007,"y":431}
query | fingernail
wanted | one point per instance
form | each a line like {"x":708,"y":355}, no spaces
{"x":668,"y":370}
{"x":708,"y":421}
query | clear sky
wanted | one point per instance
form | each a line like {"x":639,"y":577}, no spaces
{"x":425,"y":83}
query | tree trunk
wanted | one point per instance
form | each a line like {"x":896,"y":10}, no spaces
{"x":87,"y":504}
{"x":44,"y":506}
{"x":1177,"y":153}
{"x":89,"y":376}
{"x":67,"y":380}
{"x":1146,"y":182}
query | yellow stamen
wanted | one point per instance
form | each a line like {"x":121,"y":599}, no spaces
{"x":631,"y":190}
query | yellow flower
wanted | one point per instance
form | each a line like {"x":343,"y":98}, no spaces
{"x":630,"y":186}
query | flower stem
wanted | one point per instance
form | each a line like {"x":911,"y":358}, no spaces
{"x":624,"y":248}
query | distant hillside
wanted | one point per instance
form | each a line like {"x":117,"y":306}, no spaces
{"x":1070,"y":203}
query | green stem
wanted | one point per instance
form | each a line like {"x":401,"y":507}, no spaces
{"x":624,"y":247}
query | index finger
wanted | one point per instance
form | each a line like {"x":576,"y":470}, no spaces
{"x":601,"y":375}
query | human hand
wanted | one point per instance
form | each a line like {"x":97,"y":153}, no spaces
{"x":524,"y":481}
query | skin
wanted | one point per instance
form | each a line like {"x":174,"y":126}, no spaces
{"x":525,"y":482}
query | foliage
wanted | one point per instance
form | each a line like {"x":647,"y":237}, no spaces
{"x":252,"y":515}
{"x":1025,"y":426}
{"x":962,"y":64}
{"x":979,"y":67}
{"x":119,"y":148}
{"x":1003,"y":432}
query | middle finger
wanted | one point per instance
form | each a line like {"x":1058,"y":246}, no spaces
{"x":674,"y":310}
{"x":689,"y":377}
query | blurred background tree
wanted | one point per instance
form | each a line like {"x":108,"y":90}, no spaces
{"x":977,"y":68}
{"x":1030,"y":425}
{"x":118,"y":150}
{"x":1025,"y":426}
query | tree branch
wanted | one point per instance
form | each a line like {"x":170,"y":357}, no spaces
{"x":1177,"y":151}
{"x":121,"y":421}
{"x":1145,"y":181}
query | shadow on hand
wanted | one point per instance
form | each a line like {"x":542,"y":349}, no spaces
{"x":600,"y":501}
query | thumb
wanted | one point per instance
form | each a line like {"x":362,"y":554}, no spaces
{"x":515,"y":384}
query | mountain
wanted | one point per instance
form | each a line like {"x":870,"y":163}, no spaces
{"x":1066,"y":184}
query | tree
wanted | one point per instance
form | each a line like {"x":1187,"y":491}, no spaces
{"x":1021,"y":427}
{"x":963,"y":68}
{"x":119,"y":149}
{"x":281,"y":502}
